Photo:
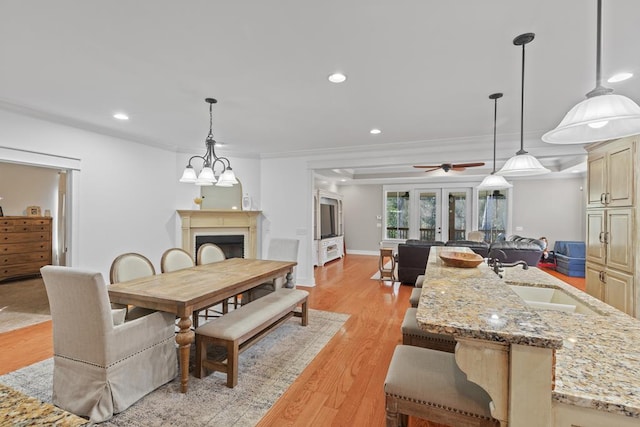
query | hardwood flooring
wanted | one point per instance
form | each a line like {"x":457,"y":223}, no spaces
{"x":343,"y":385}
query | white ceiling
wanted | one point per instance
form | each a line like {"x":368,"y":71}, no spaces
{"x":420,"y":70}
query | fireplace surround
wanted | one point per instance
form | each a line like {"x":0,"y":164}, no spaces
{"x":227,"y":224}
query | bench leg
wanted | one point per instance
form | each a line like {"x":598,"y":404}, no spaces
{"x":305,"y":314}
{"x":225,"y":306}
{"x":232,"y":363}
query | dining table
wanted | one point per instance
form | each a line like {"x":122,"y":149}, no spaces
{"x":184,"y":292}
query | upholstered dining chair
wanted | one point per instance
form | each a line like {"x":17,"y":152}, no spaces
{"x":279,"y":250}
{"x":175,"y":259}
{"x":207,"y":254}
{"x":101,"y":368}
{"x":131,"y":266}
{"x":476,"y":236}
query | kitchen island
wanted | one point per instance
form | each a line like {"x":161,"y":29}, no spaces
{"x":547,"y":353}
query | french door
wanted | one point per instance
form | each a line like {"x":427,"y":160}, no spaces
{"x":443,"y":214}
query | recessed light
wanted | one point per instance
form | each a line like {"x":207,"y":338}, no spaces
{"x":343,"y":180}
{"x":375,"y":131}
{"x":120,"y":116}
{"x":575,"y":171}
{"x":337,"y":78}
{"x":619,"y":77}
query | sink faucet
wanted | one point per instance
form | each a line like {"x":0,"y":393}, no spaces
{"x":498,"y":266}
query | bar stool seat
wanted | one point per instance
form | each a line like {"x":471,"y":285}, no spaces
{"x":428,"y":384}
{"x":419,"y":281}
{"x":414,"y":299}
{"x":412,"y":334}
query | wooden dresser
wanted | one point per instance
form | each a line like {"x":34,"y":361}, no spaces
{"x":25,"y":245}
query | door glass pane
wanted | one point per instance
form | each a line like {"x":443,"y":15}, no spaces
{"x":457,"y":215}
{"x":397,"y":210}
{"x":492,"y":212}
{"x":428,"y":209}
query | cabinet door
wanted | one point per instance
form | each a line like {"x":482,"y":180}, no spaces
{"x":596,"y":249}
{"x":596,"y":179}
{"x":620,"y":174}
{"x":595,"y":287}
{"x":619,"y":239}
{"x":618,"y":290}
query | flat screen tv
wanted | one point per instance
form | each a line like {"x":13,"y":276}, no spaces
{"x":327,"y":221}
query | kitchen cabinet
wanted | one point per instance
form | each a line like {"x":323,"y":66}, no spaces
{"x":611,"y":231}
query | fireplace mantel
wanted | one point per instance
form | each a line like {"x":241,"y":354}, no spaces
{"x":216,"y":221}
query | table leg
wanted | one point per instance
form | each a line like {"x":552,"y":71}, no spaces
{"x":289,"y":283}
{"x":184,"y":338}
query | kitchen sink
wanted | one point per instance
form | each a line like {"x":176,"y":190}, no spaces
{"x":549,"y":298}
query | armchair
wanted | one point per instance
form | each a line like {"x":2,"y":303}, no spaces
{"x":101,"y":369}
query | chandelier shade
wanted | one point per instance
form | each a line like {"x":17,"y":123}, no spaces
{"x":600,"y":117}
{"x":227,"y":177}
{"x":493,"y":181}
{"x":522,"y":164}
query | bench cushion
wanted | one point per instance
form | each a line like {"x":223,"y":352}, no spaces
{"x":433,"y":378}
{"x":239,"y":322}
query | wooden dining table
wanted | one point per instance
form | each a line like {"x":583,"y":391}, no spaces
{"x":186,"y":291}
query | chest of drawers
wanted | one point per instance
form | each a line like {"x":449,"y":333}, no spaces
{"x":25,"y":246}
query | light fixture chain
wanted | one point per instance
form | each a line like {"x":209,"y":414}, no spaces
{"x":495,"y":115}
{"x":599,"y":46}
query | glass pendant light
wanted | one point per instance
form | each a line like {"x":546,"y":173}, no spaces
{"x":600,"y":117}
{"x":493,"y":181}
{"x":522,"y":164}
{"x":206,"y":176}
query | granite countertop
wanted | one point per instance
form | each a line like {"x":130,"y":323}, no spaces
{"x":597,"y":354}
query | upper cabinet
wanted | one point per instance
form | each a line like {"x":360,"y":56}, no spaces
{"x":610,"y":177}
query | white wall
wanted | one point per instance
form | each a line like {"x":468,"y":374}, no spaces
{"x":287,"y":200}
{"x":22,"y":186}
{"x":554,"y":208}
{"x":126,"y":193}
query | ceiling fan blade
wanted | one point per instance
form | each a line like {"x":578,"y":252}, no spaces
{"x":467,"y":165}
{"x":427,"y":167}
{"x":433,"y":168}
{"x":458,"y":168}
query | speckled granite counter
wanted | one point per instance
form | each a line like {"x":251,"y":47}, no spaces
{"x":598,"y":366}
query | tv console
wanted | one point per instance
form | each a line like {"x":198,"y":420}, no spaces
{"x":328,"y":249}
{"x":328,"y":227}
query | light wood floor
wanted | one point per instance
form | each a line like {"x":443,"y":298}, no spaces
{"x":343,"y":385}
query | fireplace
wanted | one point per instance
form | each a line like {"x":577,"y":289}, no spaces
{"x":223,"y":228}
{"x":232,"y":245}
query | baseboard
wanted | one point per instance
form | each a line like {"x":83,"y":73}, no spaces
{"x":357,"y":252}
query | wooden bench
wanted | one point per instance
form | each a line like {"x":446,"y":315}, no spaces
{"x":428,"y":384}
{"x":240,"y":328}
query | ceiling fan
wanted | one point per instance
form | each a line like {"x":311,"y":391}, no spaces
{"x":450,"y":166}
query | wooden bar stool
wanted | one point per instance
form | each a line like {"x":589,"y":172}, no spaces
{"x":428,"y":384}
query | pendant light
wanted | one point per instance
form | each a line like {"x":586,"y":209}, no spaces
{"x":600,"y":117}
{"x":522,"y":164}
{"x":493,"y":181}
{"x":227,"y":177}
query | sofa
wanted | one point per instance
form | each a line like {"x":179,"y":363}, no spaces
{"x":518,"y":248}
{"x":412,"y":259}
{"x":570,"y":257}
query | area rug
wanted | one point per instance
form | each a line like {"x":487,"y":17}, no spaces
{"x":23,"y":303}
{"x":266,"y":370}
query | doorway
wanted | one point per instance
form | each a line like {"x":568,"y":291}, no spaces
{"x":443,"y":213}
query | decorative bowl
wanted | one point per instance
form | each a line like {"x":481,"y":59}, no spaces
{"x":461,"y":259}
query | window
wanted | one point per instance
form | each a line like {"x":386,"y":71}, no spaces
{"x":397,"y":214}
{"x":492,"y":214}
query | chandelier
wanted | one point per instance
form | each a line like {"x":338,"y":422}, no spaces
{"x":227,"y":177}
